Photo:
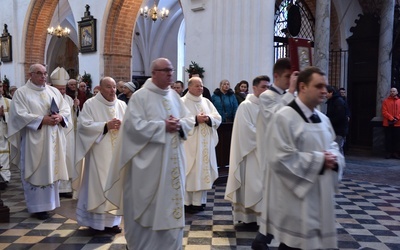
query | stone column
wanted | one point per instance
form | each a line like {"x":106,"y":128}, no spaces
{"x":322,"y":34}
{"x":385,"y":54}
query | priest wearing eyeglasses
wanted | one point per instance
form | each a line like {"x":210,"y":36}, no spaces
{"x":147,"y":180}
{"x":38,"y":142}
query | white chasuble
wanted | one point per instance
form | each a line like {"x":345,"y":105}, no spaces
{"x":44,"y":146}
{"x":4,"y":144}
{"x":244,"y":185}
{"x":300,"y":206}
{"x":201,"y":161}
{"x":147,"y":181}
{"x":96,"y":149}
{"x":65,"y":186}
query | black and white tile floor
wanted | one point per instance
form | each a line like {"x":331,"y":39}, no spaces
{"x":368,"y":217}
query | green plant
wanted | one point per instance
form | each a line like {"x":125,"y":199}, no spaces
{"x":194,"y":68}
{"x":87,"y":78}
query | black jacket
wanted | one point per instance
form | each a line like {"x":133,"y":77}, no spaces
{"x":337,"y":113}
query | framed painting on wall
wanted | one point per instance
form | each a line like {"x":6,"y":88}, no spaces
{"x":6,"y":46}
{"x":87,"y":33}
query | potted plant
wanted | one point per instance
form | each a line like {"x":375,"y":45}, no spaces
{"x":87,"y":78}
{"x":194,"y":68}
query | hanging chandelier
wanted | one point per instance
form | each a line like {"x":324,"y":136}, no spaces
{"x":58,"y":31}
{"x":153,"y":13}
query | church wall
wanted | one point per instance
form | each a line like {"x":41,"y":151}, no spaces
{"x":347,"y":12}
{"x":230,"y":39}
{"x":13,"y":14}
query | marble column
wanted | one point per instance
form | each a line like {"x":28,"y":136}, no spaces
{"x":322,"y":35}
{"x":385,"y":54}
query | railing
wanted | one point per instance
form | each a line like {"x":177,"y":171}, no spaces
{"x":338,"y":62}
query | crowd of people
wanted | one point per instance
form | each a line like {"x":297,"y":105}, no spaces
{"x":147,"y":154}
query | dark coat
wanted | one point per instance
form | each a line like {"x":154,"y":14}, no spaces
{"x":337,"y":113}
{"x":226,"y":104}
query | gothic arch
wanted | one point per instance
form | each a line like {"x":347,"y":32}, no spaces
{"x":39,"y":18}
{"x":118,"y":38}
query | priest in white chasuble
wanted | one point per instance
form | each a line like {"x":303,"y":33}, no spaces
{"x":99,"y":124}
{"x":244,"y":185}
{"x":147,"y":181}
{"x":201,"y":160}
{"x":5,"y":173}
{"x":305,"y":167}
{"x":35,"y":129}
{"x":59,"y":78}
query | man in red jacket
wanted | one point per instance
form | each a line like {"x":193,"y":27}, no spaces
{"x":391,"y":124}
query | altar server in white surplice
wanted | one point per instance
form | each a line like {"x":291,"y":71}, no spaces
{"x":279,"y":94}
{"x":98,"y":127}
{"x":305,"y":167}
{"x":147,"y":180}
{"x":35,"y":130}
{"x":4,"y":145}
{"x":244,"y":185}
{"x":59,"y":78}
{"x":201,"y":161}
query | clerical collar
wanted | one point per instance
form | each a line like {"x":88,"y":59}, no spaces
{"x":306,"y":111}
{"x":101,"y":99}
{"x":277,"y":89}
{"x":33,"y":86}
{"x":149,"y":84}
{"x":193,"y":97}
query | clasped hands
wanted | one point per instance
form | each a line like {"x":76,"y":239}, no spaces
{"x":52,"y":120}
{"x":114,"y":124}
{"x":330,"y":160}
{"x":202,"y":118}
{"x":172,"y":124}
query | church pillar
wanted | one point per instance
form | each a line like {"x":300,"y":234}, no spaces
{"x":385,"y":53}
{"x":322,"y":34}
{"x":384,"y":71}
{"x":230,"y":39}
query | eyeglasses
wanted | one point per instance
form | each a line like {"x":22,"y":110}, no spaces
{"x":41,"y":73}
{"x":166,"y":70}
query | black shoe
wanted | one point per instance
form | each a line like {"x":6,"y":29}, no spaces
{"x":113,"y":230}
{"x":42,"y":215}
{"x":66,"y":195}
{"x":197,"y":208}
{"x":256,"y":245}
{"x":3,"y":183}
{"x":388,"y":155}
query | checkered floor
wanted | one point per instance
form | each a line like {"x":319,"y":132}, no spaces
{"x":368,"y":217}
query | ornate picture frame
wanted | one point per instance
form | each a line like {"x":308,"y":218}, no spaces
{"x":87,"y":33}
{"x":300,"y":53}
{"x":6,"y":46}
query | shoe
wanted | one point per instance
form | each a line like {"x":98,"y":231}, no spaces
{"x":257,"y":245}
{"x":388,"y":155}
{"x":396,"y":156}
{"x":113,"y":230}
{"x":3,"y":183}
{"x":197,"y":208}
{"x":42,"y":215}
{"x":66,"y":195}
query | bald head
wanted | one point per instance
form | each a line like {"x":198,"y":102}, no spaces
{"x":108,"y":88}
{"x":195,"y":86}
{"x":72,"y":84}
{"x":38,"y":74}
{"x":393,"y":92}
{"x":161,"y":72}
